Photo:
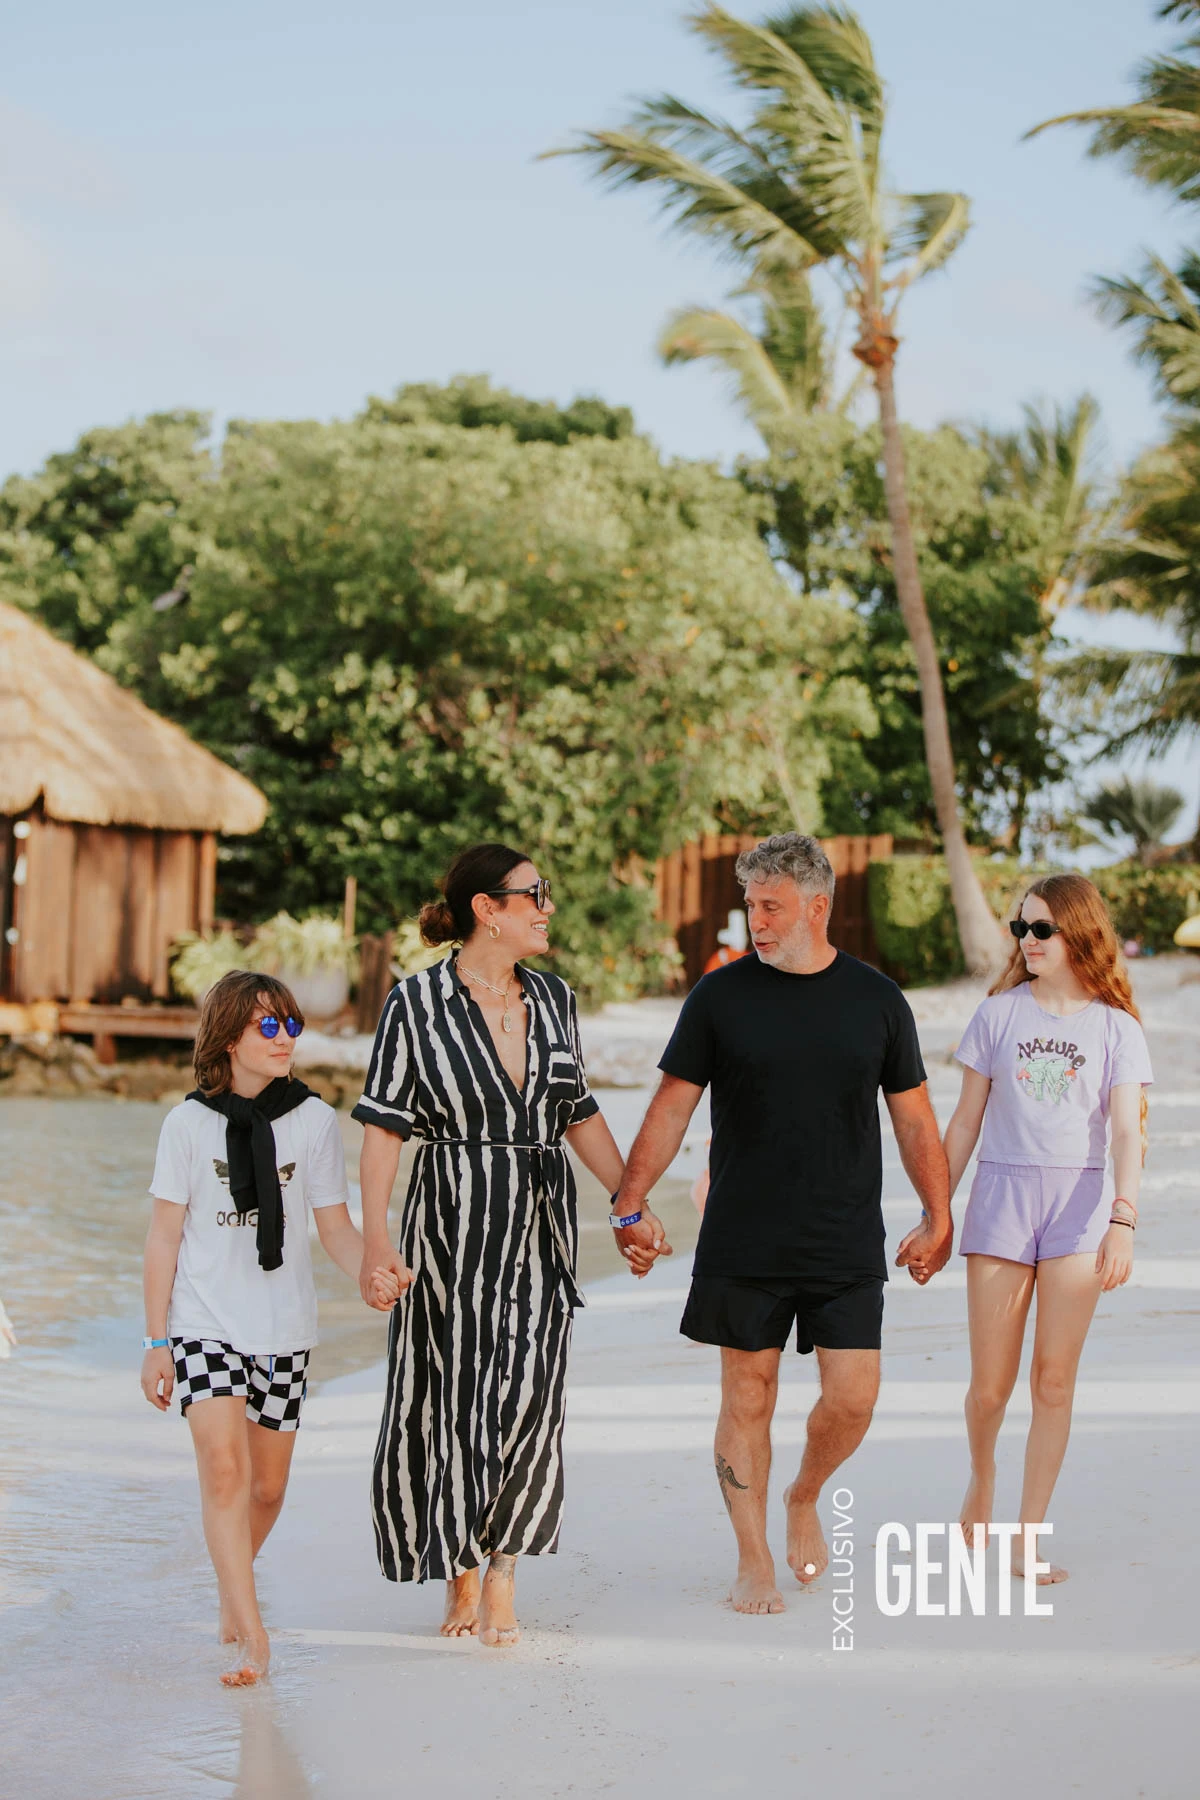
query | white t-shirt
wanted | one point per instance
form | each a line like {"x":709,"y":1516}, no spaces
{"x":1051,"y":1077}
{"x":221,"y":1291}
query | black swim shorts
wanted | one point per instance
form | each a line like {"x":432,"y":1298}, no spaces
{"x":742,"y":1312}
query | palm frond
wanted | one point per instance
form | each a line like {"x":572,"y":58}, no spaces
{"x":831,"y":40}
{"x":927,"y":231}
{"x":1136,"y":808}
{"x":832,"y":149}
{"x":694,"y":333}
{"x":1048,"y":465}
{"x":1155,"y":693}
{"x":741,"y":159}
{"x":1158,"y":135}
{"x":1164,"y":310}
{"x":699,"y":199}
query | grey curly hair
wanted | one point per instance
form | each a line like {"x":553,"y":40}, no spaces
{"x":789,"y":853}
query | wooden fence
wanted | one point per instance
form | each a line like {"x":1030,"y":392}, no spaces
{"x":697,"y":889}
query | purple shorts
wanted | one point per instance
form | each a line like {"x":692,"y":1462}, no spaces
{"x":1026,"y":1214}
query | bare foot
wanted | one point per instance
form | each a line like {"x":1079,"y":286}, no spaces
{"x":806,"y":1552}
{"x":498,"y":1627}
{"x":977,"y":1505}
{"x":226,"y":1630}
{"x":755,"y":1591}
{"x":249,"y":1663}
{"x":1047,"y":1578}
{"x":462,"y":1606}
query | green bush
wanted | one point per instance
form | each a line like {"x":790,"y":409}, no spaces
{"x":198,"y":960}
{"x":1150,"y":904}
{"x":914,"y":919}
{"x":913,"y":916}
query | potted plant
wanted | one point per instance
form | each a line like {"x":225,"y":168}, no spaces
{"x":313,"y":956}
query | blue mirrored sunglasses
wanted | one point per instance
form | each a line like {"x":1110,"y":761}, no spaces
{"x":269,"y":1026}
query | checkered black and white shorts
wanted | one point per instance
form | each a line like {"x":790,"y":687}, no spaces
{"x":273,"y":1387}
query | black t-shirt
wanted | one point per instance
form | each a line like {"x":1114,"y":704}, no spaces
{"x":795,"y":1064}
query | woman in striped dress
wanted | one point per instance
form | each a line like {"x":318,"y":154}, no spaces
{"x":478,"y":1059}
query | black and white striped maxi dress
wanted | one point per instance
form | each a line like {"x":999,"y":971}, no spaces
{"x":469,"y":1458}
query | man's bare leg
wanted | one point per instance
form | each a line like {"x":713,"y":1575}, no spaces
{"x":498,"y":1626}
{"x":837,"y":1425}
{"x":462,"y":1606}
{"x":998,"y":1296}
{"x":742,"y":1452}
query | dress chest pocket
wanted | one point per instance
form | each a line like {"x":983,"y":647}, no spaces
{"x":562,"y":1072}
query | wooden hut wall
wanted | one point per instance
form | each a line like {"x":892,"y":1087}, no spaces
{"x":100,"y":906}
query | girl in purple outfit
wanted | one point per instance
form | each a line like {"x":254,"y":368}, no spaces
{"x":1054,"y":1060}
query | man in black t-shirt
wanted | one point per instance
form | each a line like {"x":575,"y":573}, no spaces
{"x":795,"y":1044}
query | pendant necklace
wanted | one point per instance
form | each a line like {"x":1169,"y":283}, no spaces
{"x":506,"y":1023}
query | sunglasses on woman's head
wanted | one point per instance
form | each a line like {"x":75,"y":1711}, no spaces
{"x":539,"y":893}
{"x":1041,"y":928}
{"x":269,"y":1026}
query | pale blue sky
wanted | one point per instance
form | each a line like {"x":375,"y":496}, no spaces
{"x":273,"y":210}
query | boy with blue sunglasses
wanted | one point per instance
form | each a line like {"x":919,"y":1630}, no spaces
{"x":231,"y":1307}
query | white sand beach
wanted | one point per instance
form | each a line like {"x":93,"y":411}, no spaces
{"x":634,"y":1677}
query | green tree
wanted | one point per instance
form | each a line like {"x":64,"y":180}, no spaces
{"x":982,"y":556}
{"x":412,"y":635}
{"x":472,"y":401}
{"x":802,"y":184}
{"x":107,"y":524}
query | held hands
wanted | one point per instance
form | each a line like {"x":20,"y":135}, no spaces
{"x":384,"y":1277}
{"x":642,"y":1244}
{"x":1114,"y":1259}
{"x":926,"y":1250}
{"x":158,"y":1372}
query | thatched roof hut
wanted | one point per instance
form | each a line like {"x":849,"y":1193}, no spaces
{"x":108,"y":823}
{"x":73,"y":738}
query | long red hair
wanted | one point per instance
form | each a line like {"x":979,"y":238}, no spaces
{"x":1079,"y":911}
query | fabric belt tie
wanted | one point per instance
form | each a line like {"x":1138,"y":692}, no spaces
{"x":557,"y":1226}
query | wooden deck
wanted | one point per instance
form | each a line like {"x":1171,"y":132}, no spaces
{"x":105,"y":1024}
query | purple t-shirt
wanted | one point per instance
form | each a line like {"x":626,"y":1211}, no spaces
{"x":1050,"y":1077}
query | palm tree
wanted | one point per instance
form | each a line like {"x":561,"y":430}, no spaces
{"x":1140,"y":810}
{"x":802,"y":184}
{"x":1151,"y":561}
{"x":1149,"y":564}
{"x":1047,"y":465}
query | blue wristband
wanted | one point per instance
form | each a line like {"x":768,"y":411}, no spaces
{"x":155,"y":1343}
{"x":619,"y":1224}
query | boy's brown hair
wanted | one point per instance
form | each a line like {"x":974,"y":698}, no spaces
{"x":226,"y":1010}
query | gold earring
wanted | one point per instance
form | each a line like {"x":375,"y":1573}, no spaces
{"x":493,"y":929}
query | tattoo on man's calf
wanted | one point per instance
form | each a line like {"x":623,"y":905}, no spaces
{"x":728,"y":1479}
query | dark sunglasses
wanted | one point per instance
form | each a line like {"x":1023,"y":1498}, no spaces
{"x":539,"y":893}
{"x":269,"y":1026}
{"x":1041,"y":929}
